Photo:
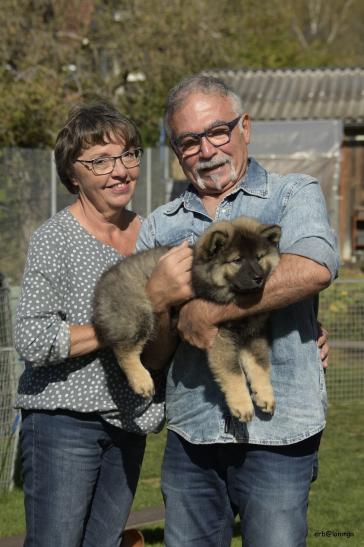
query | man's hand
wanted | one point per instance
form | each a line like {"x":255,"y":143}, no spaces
{"x":195,"y":324}
{"x":323,"y":345}
{"x":197,"y":327}
{"x":170,"y":283}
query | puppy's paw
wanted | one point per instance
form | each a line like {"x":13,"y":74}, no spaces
{"x":243,"y":414}
{"x":142,"y":383}
{"x":243,"y":410}
{"x":264,"y":399}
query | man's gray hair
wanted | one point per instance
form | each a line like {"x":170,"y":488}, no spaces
{"x":197,"y":83}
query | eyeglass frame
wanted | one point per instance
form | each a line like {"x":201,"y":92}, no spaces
{"x":86,"y":163}
{"x":231,"y":125}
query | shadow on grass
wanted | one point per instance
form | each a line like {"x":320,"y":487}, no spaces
{"x":153,"y":535}
{"x":156,"y":535}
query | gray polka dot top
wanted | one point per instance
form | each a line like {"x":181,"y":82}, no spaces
{"x":63,"y":265}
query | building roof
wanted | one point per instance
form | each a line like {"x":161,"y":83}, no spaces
{"x":300,"y":94}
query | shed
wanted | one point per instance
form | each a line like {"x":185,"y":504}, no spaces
{"x":315,"y":95}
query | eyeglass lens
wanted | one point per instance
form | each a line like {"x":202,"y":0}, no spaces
{"x":217,"y":136}
{"x":103,"y":166}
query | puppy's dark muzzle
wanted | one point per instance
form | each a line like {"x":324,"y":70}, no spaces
{"x":250,"y":277}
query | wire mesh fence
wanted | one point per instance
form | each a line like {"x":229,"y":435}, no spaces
{"x":30,"y":193}
{"x":342,"y":314}
{"x":8,"y":416}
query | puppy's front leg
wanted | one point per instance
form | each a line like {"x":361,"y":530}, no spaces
{"x":224,"y":364}
{"x":138,"y":377}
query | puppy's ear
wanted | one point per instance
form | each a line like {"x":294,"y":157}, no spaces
{"x":272,"y":232}
{"x":213,"y":240}
{"x":216,"y":242}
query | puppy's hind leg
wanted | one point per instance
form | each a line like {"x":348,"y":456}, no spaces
{"x":254,"y":359}
{"x":224,"y":364}
{"x":138,"y":377}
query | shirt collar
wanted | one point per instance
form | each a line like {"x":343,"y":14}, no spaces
{"x":254,"y":182}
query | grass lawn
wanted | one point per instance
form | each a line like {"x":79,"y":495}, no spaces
{"x":336,"y":500}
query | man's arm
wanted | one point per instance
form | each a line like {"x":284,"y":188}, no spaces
{"x":294,"y":279}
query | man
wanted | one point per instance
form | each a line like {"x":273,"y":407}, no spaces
{"x":214,"y":465}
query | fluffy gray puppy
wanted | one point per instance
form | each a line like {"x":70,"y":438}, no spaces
{"x":230,"y":260}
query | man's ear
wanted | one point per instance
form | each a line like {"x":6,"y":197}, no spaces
{"x":246,"y":127}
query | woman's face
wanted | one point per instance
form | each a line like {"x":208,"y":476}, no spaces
{"x":107,"y":193}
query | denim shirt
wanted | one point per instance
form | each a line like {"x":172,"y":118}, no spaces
{"x":195,"y":406}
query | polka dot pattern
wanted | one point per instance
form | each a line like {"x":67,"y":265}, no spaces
{"x":63,"y":265}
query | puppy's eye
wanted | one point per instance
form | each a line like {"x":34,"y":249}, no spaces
{"x":236,"y":260}
{"x":260,"y":256}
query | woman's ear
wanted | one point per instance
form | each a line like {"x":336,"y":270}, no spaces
{"x":75,"y":182}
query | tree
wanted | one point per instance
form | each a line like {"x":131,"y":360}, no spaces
{"x":54,"y":53}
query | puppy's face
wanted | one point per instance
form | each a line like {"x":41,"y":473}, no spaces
{"x":238,"y":256}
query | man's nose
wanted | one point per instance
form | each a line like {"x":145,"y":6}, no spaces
{"x":207,"y":149}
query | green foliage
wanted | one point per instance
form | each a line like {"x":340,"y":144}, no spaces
{"x":54,"y":53}
{"x":28,"y":113}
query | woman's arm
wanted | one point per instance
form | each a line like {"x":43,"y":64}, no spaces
{"x":83,"y":340}
{"x":43,"y":336}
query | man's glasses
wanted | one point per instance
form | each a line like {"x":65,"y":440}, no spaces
{"x":189,"y":144}
{"x":106,"y":165}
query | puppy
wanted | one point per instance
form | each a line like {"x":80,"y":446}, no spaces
{"x":231,"y":260}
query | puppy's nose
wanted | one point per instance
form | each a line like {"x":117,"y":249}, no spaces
{"x":258,"y":279}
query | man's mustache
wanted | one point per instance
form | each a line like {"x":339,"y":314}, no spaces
{"x":202,"y":165}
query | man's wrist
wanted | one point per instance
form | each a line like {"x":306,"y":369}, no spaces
{"x":220,"y":313}
{"x":159,"y":305}
{"x":215,"y":313}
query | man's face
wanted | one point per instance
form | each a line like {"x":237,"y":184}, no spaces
{"x":212,"y":169}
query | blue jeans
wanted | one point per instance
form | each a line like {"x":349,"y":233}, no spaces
{"x":80,"y":476}
{"x":205,"y":486}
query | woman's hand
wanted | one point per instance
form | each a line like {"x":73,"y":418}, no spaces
{"x":323,"y":345}
{"x":170,"y":283}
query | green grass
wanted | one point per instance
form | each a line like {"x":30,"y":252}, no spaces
{"x":336,"y":499}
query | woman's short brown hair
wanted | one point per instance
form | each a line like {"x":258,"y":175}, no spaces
{"x":88,"y":125}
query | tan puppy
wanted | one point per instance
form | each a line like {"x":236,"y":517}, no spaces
{"x":231,"y":259}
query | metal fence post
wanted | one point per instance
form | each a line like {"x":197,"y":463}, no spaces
{"x":53,"y":185}
{"x":148,"y":181}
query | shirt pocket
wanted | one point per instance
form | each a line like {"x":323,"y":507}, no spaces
{"x":175,"y":238}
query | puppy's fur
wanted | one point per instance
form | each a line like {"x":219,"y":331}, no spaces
{"x":231,"y":260}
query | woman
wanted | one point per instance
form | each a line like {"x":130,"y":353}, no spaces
{"x":83,"y":429}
